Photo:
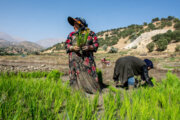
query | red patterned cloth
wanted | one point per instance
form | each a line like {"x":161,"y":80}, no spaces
{"x":86,"y":57}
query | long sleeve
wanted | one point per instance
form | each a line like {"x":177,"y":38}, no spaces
{"x":68,"y":43}
{"x":145,"y":75}
{"x":95,"y":42}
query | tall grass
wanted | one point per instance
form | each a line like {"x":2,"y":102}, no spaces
{"x":161,"y":102}
{"x":39,"y":96}
{"x":42,"y":98}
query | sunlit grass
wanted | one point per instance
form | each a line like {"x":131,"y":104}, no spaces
{"x":43,"y":95}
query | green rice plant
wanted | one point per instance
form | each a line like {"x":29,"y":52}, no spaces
{"x":82,"y":39}
{"x":29,"y":98}
{"x":54,"y":75}
{"x":49,"y":98}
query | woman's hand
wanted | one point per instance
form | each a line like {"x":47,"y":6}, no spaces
{"x":87,"y":48}
{"x":74,"y":48}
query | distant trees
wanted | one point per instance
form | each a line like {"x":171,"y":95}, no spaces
{"x":145,"y":23}
{"x":133,"y":31}
{"x":162,"y":40}
{"x":155,"y":19}
{"x":171,"y":17}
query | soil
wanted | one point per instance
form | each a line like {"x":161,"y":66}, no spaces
{"x":37,"y":64}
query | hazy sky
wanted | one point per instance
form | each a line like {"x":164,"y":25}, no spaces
{"x":40,"y":19}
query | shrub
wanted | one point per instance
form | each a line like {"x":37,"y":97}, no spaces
{"x":177,"y":26}
{"x":176,"y":20}
{"x":155,"y":19}
{"x":151,"y":26}
{"x":178,"y":39}
{"x":150,"y":46}
{"x":113,"y":50}
{"x":163,"y":24}
{"x":169,"y":23}
{"x":134,"y":47}
{"x":145,"y":23}
{"x":163,"y":19}
{"x":177,"y":48}
{"x":176,"y":35}
{"x":101,"y":41}
{"x":162,"y":44}
{"x":104,"y":47}
{"x":170,"y":17}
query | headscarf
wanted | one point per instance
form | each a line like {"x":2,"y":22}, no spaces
{"x":149,"y":63}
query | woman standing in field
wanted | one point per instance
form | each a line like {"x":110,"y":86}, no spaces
{"x":80,"y":45}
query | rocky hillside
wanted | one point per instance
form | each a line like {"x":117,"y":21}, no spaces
{"x":138,"y":37}
{"x":11,"y":46}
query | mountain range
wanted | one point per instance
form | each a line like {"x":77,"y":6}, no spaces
{"x":18,"y":45}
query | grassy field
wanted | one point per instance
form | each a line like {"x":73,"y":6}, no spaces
{"x":43,"y":95}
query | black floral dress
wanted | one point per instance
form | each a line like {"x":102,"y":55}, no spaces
{"x":82,"y":67}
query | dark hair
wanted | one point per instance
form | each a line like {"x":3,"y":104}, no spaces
{"x":149,"y":63}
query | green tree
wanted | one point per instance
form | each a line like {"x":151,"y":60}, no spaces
{"x":145,"y":23}
{"x":151,"y":26}
{"x":150,"y":46}
{"x":177,"y":48}
{"x":176,"y":20}
{"x":169,"y":23}
{"x":155,"y":19}
{"x":162,"y":44}
{"x":177,"y":26}
{"x":170,"y":17}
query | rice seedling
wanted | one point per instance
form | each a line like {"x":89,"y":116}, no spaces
{"x":81,"y":38}
{"x":42,"y":95}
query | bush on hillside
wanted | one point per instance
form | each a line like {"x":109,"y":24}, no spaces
{"x":155,"y":19}
{"x":177,"y":26}
{"x":163,"y":24}
{"x":145,"y":23}
{"x":151,"y":26}
{"x":113,"y":50}
{"x":164,"y":19}
{"x":176,"y":35}
{"x":150,"y":46}
{"x":169,"y":23}
{"x":169,"y":35}
{"x":101,"y":41}
{"x":162,"y":44}
{"x":104,"y":47}
{"x":176,"y":20}
{"x":171,"y":17}
{"x":134,"y":47}
{"x":177,"y":48}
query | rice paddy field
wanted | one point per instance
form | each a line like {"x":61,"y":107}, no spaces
{"x":44,"y":96}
